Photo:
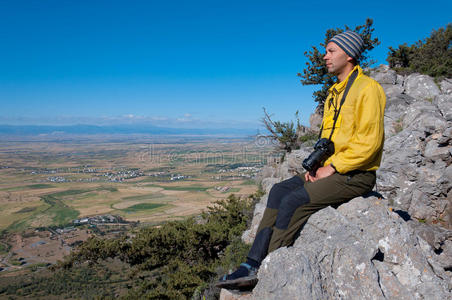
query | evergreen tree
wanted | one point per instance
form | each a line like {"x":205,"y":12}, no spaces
{"x":433,"y":56}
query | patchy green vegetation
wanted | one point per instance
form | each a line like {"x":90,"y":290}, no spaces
{"x":109,"y":189}
{"x":53,"y":208}
{"x":25,"y":210}
{"x":233,"y":190}
{"x":249,"y":182}
{"x":141,"y":207}
{"x":39,"y":186}
{"x":69,"y":193}
{"x":143,"y":197}
{"x":398,"y":126}
{"x":62,"y":214}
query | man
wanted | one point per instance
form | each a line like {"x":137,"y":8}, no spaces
{"x":355,"y":128}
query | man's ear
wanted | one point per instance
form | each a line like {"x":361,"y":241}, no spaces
{"x":352,"y":60}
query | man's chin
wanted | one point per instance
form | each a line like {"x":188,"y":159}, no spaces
{"x":332,"y":70}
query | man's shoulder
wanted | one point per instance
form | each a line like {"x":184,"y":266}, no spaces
{"x":364,"y":82}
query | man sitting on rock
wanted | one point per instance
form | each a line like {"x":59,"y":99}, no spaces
{"x":353,"y":122}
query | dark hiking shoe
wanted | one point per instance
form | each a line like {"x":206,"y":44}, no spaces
{"x":244,"y":278}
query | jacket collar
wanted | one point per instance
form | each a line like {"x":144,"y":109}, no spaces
{"x":338,"y":87}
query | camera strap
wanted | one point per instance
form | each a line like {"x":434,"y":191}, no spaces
{"x":350,"y":81}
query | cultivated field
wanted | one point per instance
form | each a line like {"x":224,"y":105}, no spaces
{"x":48,"y":183}
{"x":44,"y":183}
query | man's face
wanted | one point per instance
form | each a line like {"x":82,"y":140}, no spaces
{"x":336,"y":59}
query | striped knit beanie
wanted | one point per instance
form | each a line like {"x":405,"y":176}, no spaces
{"x":350,"y":42}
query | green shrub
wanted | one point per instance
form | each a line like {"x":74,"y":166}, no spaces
{"x":431,"y":56}
{"x":181,"y":256}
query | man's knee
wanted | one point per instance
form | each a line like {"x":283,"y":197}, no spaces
{"x":289,"y":205}
{"x":281,"y":190}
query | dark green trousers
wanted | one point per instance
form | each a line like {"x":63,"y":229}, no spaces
{"x":291,"y":202}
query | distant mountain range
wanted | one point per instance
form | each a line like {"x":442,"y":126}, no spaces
{"x":81,"y":129}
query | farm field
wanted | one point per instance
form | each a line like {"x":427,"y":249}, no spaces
{"x":52,"y":183}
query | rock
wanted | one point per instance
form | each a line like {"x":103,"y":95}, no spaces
{"x":384,"y":75}
{"x":315,"y":120}
{"x":397,"y":174}
{"x":249,"y":235}
{"x":444,"y":104}
{"x":298,"y":280}
{"x":345,"y":254}
{"x":439,"y":239}
{"x":448,"y":173}
{"x":392,"y":90}
{"x":446,"y":136}
{"x":267,"y":183}
{"x":295,"y":160}
{"x":434,"y":152}
{"x":421,"y":207}
{"x":395,"y":111}
{"x":282,"y":171}
{"x":389,"y":80}
{"x":234,"y":295}
{"x":446,"y":86}
{"x":424,"y":116}
{"x":421,"y":86}
{"x":266,"y":172}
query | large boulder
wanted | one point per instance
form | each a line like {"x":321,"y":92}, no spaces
{"x":384,"y":75}
{"x":444,"y":104}
{"x":389,"y":80}
{"x":396,"y":109}
{"x":362,"y":250}
{"x":421,"y":87}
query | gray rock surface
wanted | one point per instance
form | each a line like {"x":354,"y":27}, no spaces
{"x":234,"y":295}
{"x":345,"y":254}
{"x":421,"y":86}
{"x":444,"y":104}
{"x":384,"y":75}
{"x":417,"y":150}
{"x":249,"y":234}
{"x":446,"y":86}
{"x":315,"y":120}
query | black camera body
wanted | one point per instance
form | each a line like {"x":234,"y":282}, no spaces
{"x":323,"y":149}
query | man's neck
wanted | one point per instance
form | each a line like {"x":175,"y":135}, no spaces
{"x":341,"y":77}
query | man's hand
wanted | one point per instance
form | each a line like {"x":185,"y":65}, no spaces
{"x":320,"y":173}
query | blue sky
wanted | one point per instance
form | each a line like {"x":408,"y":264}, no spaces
{"x":179,"y":63}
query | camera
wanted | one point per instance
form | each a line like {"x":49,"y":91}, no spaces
{"x":323,"y":149}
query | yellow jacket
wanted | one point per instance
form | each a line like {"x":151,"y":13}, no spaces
{"x":359,"y":133}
